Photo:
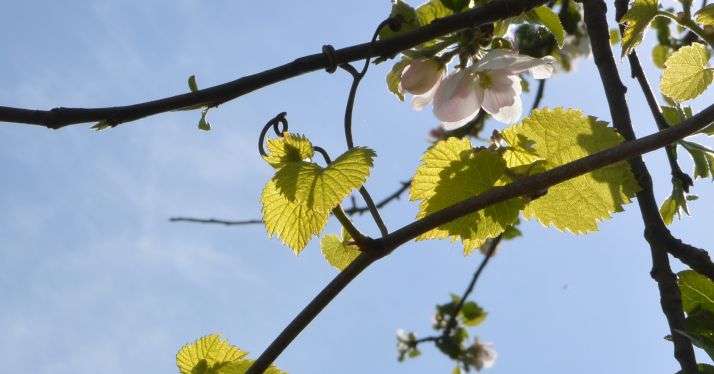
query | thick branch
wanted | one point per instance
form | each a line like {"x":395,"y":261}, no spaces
{"x":216,"y":95}
{"x":381,"y":247}
{"x":670,"y":297}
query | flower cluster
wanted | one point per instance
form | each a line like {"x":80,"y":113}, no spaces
{"x":492,"y":84}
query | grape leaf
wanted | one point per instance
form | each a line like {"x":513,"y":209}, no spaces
{"x":636,"y":21}
{"x":242,"y":366}
{"x":292,"y":221}
{"x":686,"y":73}
{"x":407,"y":17}
{"x":298,"y":199}
{"x":288,"y":148}
{"x":338,"y":250}
{"x":560,"y":136}
{"x":660,"y":53}
{"x":452,"y":171}
{"x":208,"y":352}
{"x":705,"y":16}
{"x":697,"y":291}
{"x":321,"y":189}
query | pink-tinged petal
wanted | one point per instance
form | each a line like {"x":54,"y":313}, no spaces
{"x":514,"y":63}
{"x":510,"y":114}
{"x":420,"y":101}
{"x":502,"y":92}
{"x":421,"y":75}
{"x":457,"y":98}
{"x":450,"y":126}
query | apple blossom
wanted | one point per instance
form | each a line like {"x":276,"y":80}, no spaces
{"x":481,"y":355}
{"x":492,"y":83}
{"x":421,"y":78}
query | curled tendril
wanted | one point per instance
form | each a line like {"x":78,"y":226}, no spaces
{"x":324,"y":154}
{"x":279,"y":124}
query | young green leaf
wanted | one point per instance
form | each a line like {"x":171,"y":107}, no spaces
{"x":687,"y":73}
{"x":455,"y":5}
{"x":550,"y":20}
{"x":472,"y":314}
{"x":407,"y":17}
{"x":636,"y":21}
{"x":288,"y":148}
{"x":559,"y":136}
{"x":703,"y":158}
{"x":202,"y":123}
{"x":699,"y":328}
{"x":432,"y":10}
{"x":675,"y":204}
{"x":452,"y":171}
{"x":242,"y":366}
{"x":705,"y":16}
{"x":395,"y":75}
{"x":292,"y":221}
{"x":208,"y":352}
{"x":192,"y":83}
{"x":339,"y":251}
{"x":660,"y":54}
{"x":322,"y":189}
{"x":697,"y":291}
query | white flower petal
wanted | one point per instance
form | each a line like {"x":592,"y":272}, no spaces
{"x":502,"y":93}
{"x":451,"y":126}
{"x":421,"y":75}
{"x":457,"y":98}
{"x":514,"y":63}
{"x":509,"y":114}
{"x":420,"y":101}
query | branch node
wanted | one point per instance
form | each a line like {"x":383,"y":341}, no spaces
{"x":329,"y":52}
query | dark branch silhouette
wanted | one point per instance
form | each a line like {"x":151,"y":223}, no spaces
{"x":213,"y":96}
{"x":655,"y":228}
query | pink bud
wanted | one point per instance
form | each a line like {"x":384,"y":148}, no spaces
{"x":421,"y":75}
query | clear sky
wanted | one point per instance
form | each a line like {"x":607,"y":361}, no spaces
{"x":94,"y":279}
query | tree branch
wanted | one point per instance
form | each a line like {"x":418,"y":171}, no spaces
{"x":215,"y":221}
{"x":670,"y":297}
{"x":378,"y":248}
{"x":216,"y":95}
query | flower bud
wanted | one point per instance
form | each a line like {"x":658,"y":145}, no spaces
{"x":421,"y":75}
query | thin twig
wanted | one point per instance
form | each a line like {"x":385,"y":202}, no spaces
{"x":539,"y":94}
{"x":451,"y":324}
{"x":670,"y":297}
{"x":394,"y":196}
{"x":215,"y":221}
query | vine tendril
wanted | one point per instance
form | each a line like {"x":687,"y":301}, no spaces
{"x":275,"y":123}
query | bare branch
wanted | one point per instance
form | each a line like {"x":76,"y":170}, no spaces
{"x":216,"y":95}
{"x":215,"y":221}
{"x":670,"y":297}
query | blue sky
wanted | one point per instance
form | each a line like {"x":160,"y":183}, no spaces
{"x":95,"y":279}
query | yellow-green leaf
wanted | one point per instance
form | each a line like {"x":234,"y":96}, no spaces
{"x":705,"y":16}
{"x":208,"y":352}
{"x":288,"y":148}
{"x":660,"y":53}
{"x":452,"y":171}
{"x":395,"y":75}
{"x":636,"y":21}
{"x":291,"y":221}
{"x":339,"y":251}
{"x":431,"y":11}
{"x":560,"y":136}
{"x":697,"y":291}
{"x":322,"y":189}
{"x":242,"y":366}
{"x":686,"y":73}
{"x":407,"y":17}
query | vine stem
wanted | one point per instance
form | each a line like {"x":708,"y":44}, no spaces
{"x":689,"y":23}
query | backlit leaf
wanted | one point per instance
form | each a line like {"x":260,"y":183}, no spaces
{"x":686,"y":73}
{"x":636,"y":20}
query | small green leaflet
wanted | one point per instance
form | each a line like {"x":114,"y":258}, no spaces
{"x":288,"y":148}
{"x":297,"y":201}
{"x":210,"y":351}
{"x":472,"y":314}
{"x":550,"y":20}
{"x":455,"y":5}
{"x":697,"y":291}
{"x":705,"y":16}
{"x":559,"y":136}
{"x":338,"y":250}
{"x":686,"y":73}
{"x":451,"y":171}
{"x":212,"y":354}
{"x":703,"y":158}
{"x":192,"y":83}
{"x":395,"y":75}
{"x":660,"y":54}
{"x":202,"y":123}
{"x":675,"y":204}
{"x":407,"y":17}
{"x":636,"y":21}
{"x":432,"y":10}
